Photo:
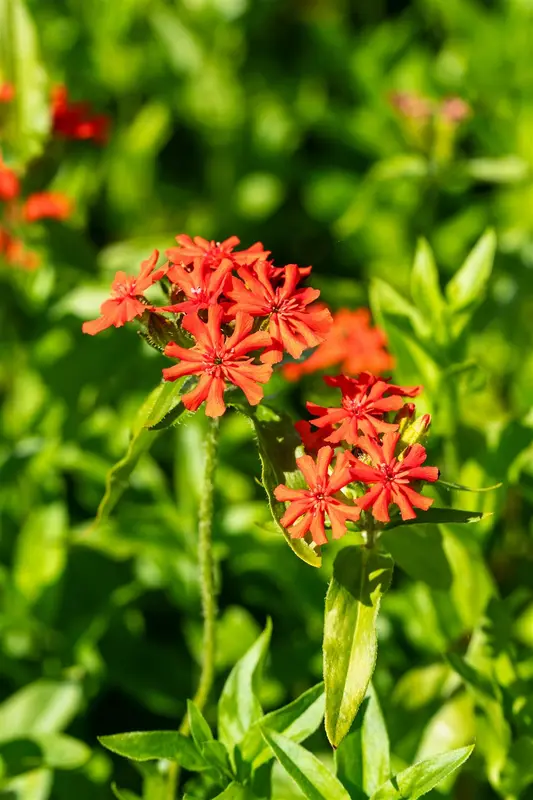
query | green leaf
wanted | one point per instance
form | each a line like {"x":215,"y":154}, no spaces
{"x":360,"y":579}
{"x":440,"y":516}
{"x":277,"y":441}
{"x":506,"y":169}
{"x":426,"y":292}
{"x":466,"y":290}
{"x":28,"y":116}
{"x":167,"y":406}
{"x":235,"y":791}
{"x":460,"y":488}
{"x":140,"y":442}
{"x":63,"y":752}
{"x":216,"y":756}
{"x":123,"y":794}
{"x":296,"y":721}
{"x":419,"y":551}
{"x":421,"y":778}
{"x":239,"y":706}
{"x":362,"y":759}
{"x":42,"y":707}
{"x":41,"y":550}
{"x":472,"y":676}
{"x":18,"y":756}
{"x":150,"y":745}
{"x":313,"y":778}
{"x":200,"y":730}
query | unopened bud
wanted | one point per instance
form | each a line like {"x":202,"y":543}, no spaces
{"x":416,"y":431}
{"x":404,"y":416}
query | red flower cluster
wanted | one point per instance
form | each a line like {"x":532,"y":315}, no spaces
{"x":7,"y":92}
{"x":379,"y":459}
{"x":234,"y":315}
{"x":352,"y":345}
{"x":14,"y":213}
{"x":76,"y":120}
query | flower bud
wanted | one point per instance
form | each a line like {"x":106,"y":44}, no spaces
{"x":415,"y":431}
{"x":405,"y":416}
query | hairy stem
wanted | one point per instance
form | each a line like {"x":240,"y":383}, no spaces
{"x":207,"y":584}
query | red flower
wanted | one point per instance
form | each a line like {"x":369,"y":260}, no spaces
{"x":13,"y":252}
{"x":125,"y":303}
{"x":7,"y":92}
{"x":201,"y":285}
{"x":217,"y":359}
{"x":312,"y":440}
{"x":362,"y":408}
{"x":352,"y":344}
{"x":76,"y":120}
{"x":213,"y":252}
{"x":292,"y":325}
{"x":47,"y":205}
{"x":314,"y":503}
{"x":391,"y":478}
{"x":9,"y":183}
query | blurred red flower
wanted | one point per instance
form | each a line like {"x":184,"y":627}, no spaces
{"x":46,"y":205}
{"x":13,"y":252}
{"x":352,"y":343}
{"x":7,"y":92}
{"x":76,"y":120}
{"x":9,"y":183}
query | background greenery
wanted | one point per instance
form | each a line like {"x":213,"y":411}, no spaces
{"x":271,"y":120}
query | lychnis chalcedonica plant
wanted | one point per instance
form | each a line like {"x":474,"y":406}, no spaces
{"x":356,"y":468}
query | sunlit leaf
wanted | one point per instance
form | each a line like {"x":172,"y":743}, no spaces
{"x":152,"y":745}
{"x":296,"y":721}
{"x":39,"y":708}
{"x":421,"y":778}
{"x":466,"y":290}
{"x":360,"y":579}
{"x":239,"y":707}
{"x":313,"y":778}
{"x":439,"y":516}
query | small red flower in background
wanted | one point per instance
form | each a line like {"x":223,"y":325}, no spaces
{"x":362,"y":408}
{"x":293,"y":326}
{"x":217,"y":359}
{"x":12,"y":251}
{"x":212,"y":252}
{"x":352,"y":345}
{"x":47,"y":205}
{"x":319,"y":499}
{"x":201,"y":285}
{"x":392,"y":478}
{"x":76,"y":120}
{"x":9,"y":183}
{"x":7,"y":92}
{"x":125,"y":302}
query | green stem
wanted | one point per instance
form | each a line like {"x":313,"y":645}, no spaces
{"x":207,"y":583}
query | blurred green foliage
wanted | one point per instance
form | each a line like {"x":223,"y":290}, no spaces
{"x":274,"y":121}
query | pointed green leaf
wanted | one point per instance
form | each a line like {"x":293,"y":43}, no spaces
{"x":472,"y":677}
{"x":167,"y":407}
{"x":216,"y":756}
{"x":426,"y":292}
{"x":277,"y":441}
{"x":467,"y":289}
{"x":63,"y":752}
{"x":313,"y":778}
{"x":360,"y":579}
{"x":362,"y":759}
{"x":296,"y":721}
{"x":152,"y":745}
{"x":440,"y":516}
{"x":140,"y":442}
{"x":123,"y":794}
{"x":421,"y":778}
{"x":27,"y":118}
{"x":239,"y":707}
{"x":460,"y":488}
{"x":200,"y":730}
{"x":235,"y":791}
